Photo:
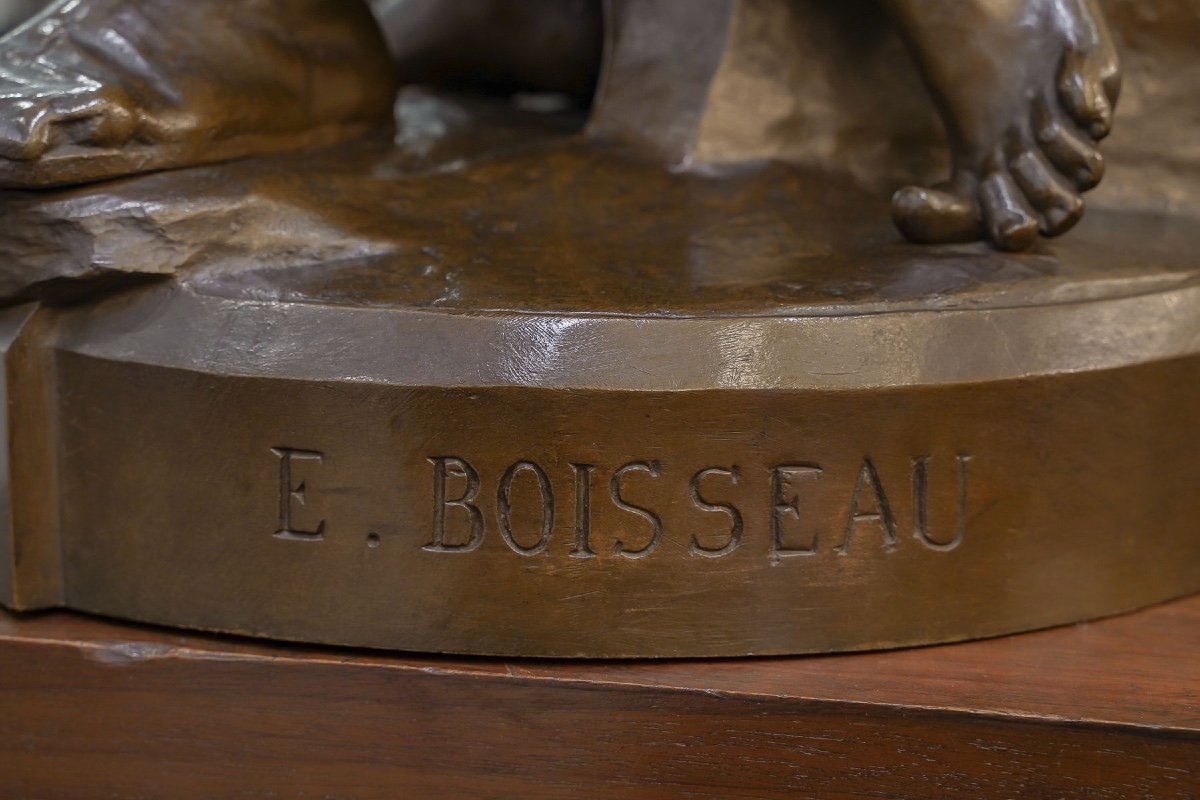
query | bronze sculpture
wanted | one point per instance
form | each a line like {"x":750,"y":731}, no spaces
{"x":609,"y":349}
{"x":101,"y":88}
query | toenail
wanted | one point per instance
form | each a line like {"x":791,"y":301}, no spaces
{"x":1062,"y":219}
{"x":1092,"y":173}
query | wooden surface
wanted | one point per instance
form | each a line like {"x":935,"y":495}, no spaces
{"x":94,"y":709}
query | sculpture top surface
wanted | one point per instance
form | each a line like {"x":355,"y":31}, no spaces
{"x":481,"y":205}
{"x":550,"y":261}
{"x":527,"y":219}
{"x":96,"y":89}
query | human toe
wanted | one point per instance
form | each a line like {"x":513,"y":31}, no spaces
{"x":1070,"y":153}
{"x":1088,"y":88}
{"x":935,"y":215}
{"x":1009,"y":221}
{"x":1058,"y":206}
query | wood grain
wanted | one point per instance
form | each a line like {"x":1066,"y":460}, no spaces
{"x":90,"y":708}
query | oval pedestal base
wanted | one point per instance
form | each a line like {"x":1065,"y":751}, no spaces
{"x":757,"y":456}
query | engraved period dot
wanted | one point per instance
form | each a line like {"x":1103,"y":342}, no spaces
{"x":373,"y":540}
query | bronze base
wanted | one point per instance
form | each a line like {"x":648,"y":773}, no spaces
{"x":561,"y":403}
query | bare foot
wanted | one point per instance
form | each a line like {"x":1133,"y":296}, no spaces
{"x":1027,"y":89}
{"x":95,"y":89}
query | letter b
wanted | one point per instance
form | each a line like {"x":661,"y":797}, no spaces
{"x":443,"y":468}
